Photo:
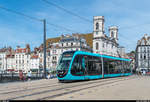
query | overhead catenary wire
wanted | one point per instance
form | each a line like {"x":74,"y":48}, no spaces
{"x":134,"y":26}
{"x":67,"y":11}
{"x":37,"y":19}
{"x":21,"y":14}
{"x":34,"y":18}
{"x":55,"y":25}
{"x":58,"y":26}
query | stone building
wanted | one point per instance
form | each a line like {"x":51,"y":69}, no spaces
{"x":3,"y":53}
{"x":143,"y":53}
{"x":22,"y":58}
{"x":6,"y":55}
{"x":72,"y":42}
{"x":103,"y":44}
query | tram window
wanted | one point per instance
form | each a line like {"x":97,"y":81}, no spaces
{"x":127,"y":67}
{"x":120,"y":67}
{"x":123,"y":66}
{"x":77,"y":66}
{"x":112,"y":66}
{"x":98,"y":64}
{"x":106,"y":66}
{"x":94,"y":65}
{"x":117,"y":66}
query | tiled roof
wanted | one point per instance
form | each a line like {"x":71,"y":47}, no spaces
{"x":88,"y":37}
{"x":10,"y":56}
{"x":21,"y":50}
{"x":3,"y":49}
{"x":34,"y":56}
{"x":53,"y":40}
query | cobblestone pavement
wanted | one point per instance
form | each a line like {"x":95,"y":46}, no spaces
{"x":121,"y":88}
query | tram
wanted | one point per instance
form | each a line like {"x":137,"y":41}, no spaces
{"x":80,"y":65}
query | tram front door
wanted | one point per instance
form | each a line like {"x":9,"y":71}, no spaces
{"x":84,"y":66}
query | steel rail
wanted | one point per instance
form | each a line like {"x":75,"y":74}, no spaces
{"x":66,"y":87}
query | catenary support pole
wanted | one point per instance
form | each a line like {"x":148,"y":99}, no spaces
{"x":44,"y":48}
{"x":102,"y":67}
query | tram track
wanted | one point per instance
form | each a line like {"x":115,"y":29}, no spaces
{"x":19,"y":85}
{"x":80,"y":89}
{"x":27,"y":87}
{"x":66,"y":87}
{"x":72,"y":91}
{"x":54,"y":84}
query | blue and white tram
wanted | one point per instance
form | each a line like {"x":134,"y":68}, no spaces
{"x":79,"y":65}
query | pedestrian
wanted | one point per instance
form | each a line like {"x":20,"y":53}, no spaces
{"x":48,"y":76}
{"x":21,"y":75}
{"x":29,"y":75}
{"x":25,"y":76}
{"x":144,"y":72}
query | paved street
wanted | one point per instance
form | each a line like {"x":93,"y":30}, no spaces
{"x":132,"y":87}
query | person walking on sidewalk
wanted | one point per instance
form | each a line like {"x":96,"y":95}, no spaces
{"x":21,"y":75}
{"x":29,"y":75}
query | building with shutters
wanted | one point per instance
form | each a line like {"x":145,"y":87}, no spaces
{"x":142,"y":58}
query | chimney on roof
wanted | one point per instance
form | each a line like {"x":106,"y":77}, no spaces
{"x":18,"y":46}
{"x":27,"y":48}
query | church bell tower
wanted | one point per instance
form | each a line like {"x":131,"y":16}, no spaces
{"x":98,"y":23}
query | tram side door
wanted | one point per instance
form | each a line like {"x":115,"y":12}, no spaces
{"x":85,"y":66}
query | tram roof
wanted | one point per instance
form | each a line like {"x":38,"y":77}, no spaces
{"x":99,"y":55}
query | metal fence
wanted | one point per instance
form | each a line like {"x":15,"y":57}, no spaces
{"x":12,"y":77}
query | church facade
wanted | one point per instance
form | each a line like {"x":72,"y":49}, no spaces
{"x":103,"y":44}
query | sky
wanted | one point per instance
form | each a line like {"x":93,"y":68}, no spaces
{"x":131,"y":16}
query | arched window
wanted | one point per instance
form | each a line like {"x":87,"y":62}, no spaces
{"x":112,"y":34}
{"x":97,"y":26}
{"x":97,"y":46}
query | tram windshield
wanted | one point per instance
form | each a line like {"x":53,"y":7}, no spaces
{"x":64,"y":61}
